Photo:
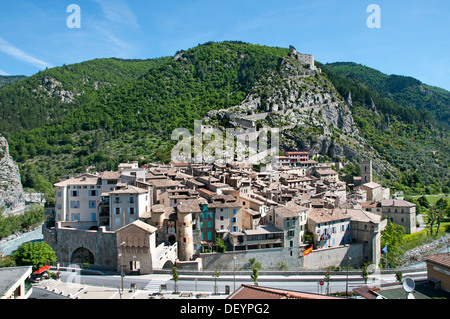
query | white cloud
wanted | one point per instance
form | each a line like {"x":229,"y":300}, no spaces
{"x":20,"y":55}
{"x":118,"y":19}
{"x":118,"y":12}
{"x":3,"y":72}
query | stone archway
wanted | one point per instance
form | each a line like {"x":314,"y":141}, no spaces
{"x":82,"y":255}
{"x":168,"y":265}
{"x":172,"y":240}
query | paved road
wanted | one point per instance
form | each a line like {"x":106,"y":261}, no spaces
{"x":149,"y":284}
{"x":10,"y":246}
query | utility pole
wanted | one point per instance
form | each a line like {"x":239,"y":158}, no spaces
{"x":348,"y":267}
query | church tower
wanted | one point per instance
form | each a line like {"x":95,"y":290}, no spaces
{"x":366,"y":172}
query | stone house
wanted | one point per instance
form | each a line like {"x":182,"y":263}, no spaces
{"x":330,"y":227}
{"x":365,"y":228}
{"x":127,"y":205}
{"x":400,"y":212}
{"x":136,"y":248}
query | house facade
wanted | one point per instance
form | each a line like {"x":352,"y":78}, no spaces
{"x":400,"y":212}
{"x":330,"y":227}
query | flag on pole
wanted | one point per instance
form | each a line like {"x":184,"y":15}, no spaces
{"x":384,"y":250}
{"x":307,"y":250}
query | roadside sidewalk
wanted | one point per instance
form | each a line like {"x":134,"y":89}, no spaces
{"x":79,"y":291}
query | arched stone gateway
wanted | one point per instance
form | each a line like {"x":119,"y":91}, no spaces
{"x":82,"y":255}
{"x":168,"y":265}
{"x":172,"y":239}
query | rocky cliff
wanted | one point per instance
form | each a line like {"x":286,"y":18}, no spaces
{"x":311,"y":113}
{"x":11,"y":191}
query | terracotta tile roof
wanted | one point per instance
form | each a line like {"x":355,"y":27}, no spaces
{"x":140,"y":224}
{"x":396,"y":203}
{"x":327,"y":215}
{"x":161,"y":183}
{"x":257,"y":292}
{"x":111,"y":175}
{"x":129,"y":190}
{"x":439,"y":259}
{"x":85,"y":179}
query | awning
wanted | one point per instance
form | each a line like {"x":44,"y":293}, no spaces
{"x":42,"y":269}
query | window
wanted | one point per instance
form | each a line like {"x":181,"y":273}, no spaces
{"x":131,"y":210}
{"x":221,"y":217}
{"x":92,"y":204}
{"x":117,"y":220}
{"x":234,"y":211}
{"x":59,"y":194}
{"x":92,"y":193}
{"x":233,"y":220}
{"x":118,"y":210}
{"x":74,"y":204}
{"x":74,"y":193}
{"x":209,"y":224}
{"x":94,"y":217}
{"x":75,"y":217}
{"x":117,"y":199}
{"x":131,"y":200}
{"x":209,"y":236}
{"x":234,"y":229}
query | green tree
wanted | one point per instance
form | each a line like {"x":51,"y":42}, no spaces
{"x":399,"y":276}
{"x":423,"y":201}
{"x":254,"y":276}
{"x":216,"y":275}
{"x":436,"y":214}
{"x":392,"y":236}
{"x":175,"y":277}
{"x":328,"y":275}
{"x":36,"y":254}
{"x":220,"y":245}
{"x":365,"y":273}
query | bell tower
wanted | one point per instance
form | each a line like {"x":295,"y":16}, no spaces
{"x":366,"y":172}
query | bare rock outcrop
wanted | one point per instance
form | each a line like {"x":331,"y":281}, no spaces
{"x":11,"y":191}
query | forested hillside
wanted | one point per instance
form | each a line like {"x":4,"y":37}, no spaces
{"x":8,"y":79}
{"x":98,"y":113}
{"x":404,"y":120}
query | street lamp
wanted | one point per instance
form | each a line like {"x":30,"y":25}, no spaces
{"x":346,"y":285}
{"x":234,"y":268}
{"x":121,"y":263}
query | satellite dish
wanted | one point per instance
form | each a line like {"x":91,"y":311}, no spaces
{"x":409,"y":284}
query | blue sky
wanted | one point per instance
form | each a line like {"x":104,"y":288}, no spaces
{"x":413,"y":39}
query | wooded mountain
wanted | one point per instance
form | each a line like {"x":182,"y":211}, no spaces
{"x":8,"y":79}
{"x":102,"y":112}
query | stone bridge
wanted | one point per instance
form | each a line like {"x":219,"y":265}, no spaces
{"x":165,"y":256}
